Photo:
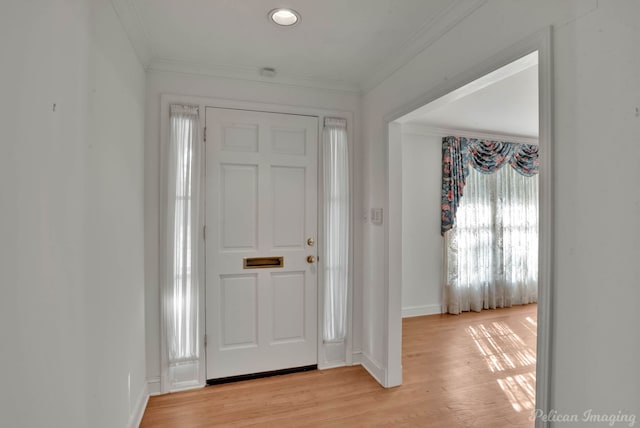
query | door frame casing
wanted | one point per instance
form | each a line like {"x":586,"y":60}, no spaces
{"x":323,"y":354}
{"x":542,"y":43}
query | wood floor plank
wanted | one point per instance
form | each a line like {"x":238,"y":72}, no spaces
{"x":469,"y":370}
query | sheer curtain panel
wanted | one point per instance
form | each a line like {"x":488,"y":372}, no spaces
{"x":336,"y":228}
{"x":491,"y":233}
{"x":181,"y":236}
{"x":492,"y":250}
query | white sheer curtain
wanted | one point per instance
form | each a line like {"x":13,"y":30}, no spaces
{"x":181,"y":233}
{"x":491,"y":253}
{"x":336,"y":228}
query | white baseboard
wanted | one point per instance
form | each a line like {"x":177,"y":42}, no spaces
{"x":138,"y":411}
{"x":418,"y":311}
{"x":374,"y":369}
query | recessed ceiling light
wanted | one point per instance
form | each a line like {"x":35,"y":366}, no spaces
{"x":284,"y":17}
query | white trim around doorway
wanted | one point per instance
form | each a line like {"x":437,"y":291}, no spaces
{"x":541,"y":42}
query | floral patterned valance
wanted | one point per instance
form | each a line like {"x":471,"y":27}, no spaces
{"x":487,"y":157}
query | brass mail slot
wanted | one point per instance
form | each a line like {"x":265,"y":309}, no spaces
{"x":263,"y":262}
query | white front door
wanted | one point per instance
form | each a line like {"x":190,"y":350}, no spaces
{"x":261,"y":224}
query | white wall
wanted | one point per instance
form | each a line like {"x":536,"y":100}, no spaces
{"x":237,"y":90}
{"x":595,"y":249}
{"x":421,"y":240}
{"x":71,"y":242}
{"x":114,"y":238}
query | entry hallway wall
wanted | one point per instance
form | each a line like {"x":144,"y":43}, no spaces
{"x":71,"y":204}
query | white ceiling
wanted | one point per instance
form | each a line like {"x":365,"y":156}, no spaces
{"x":339,"y":44}
{"x":504,"y":102}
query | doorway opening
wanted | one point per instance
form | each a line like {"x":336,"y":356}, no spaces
{"x":523,"y":391}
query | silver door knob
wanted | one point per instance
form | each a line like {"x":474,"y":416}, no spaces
{"x":311,"y":259}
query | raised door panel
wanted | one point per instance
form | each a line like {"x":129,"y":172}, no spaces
{"x":288,"y":206}
{"x":288,"y":307}
{"x":239,"y":206}
{"x":239,"y":315}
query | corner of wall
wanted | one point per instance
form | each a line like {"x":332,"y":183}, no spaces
{"x":370,"y":365}
{"x":137,"y":412}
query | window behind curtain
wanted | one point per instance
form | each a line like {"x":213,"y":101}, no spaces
{"x":336,"y":228}
{"x":492,"y":250}
{"x":180,"y":292}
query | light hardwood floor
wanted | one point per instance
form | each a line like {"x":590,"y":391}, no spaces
{"x":471,"y":370}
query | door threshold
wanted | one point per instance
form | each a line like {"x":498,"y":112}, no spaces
{"x":260,"y":375}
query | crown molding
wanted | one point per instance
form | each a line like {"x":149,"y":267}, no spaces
{"x":134,"y":27}
{"x":248,"y":73}
{"x":434,"y":131}
{"x":430,"y":32}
